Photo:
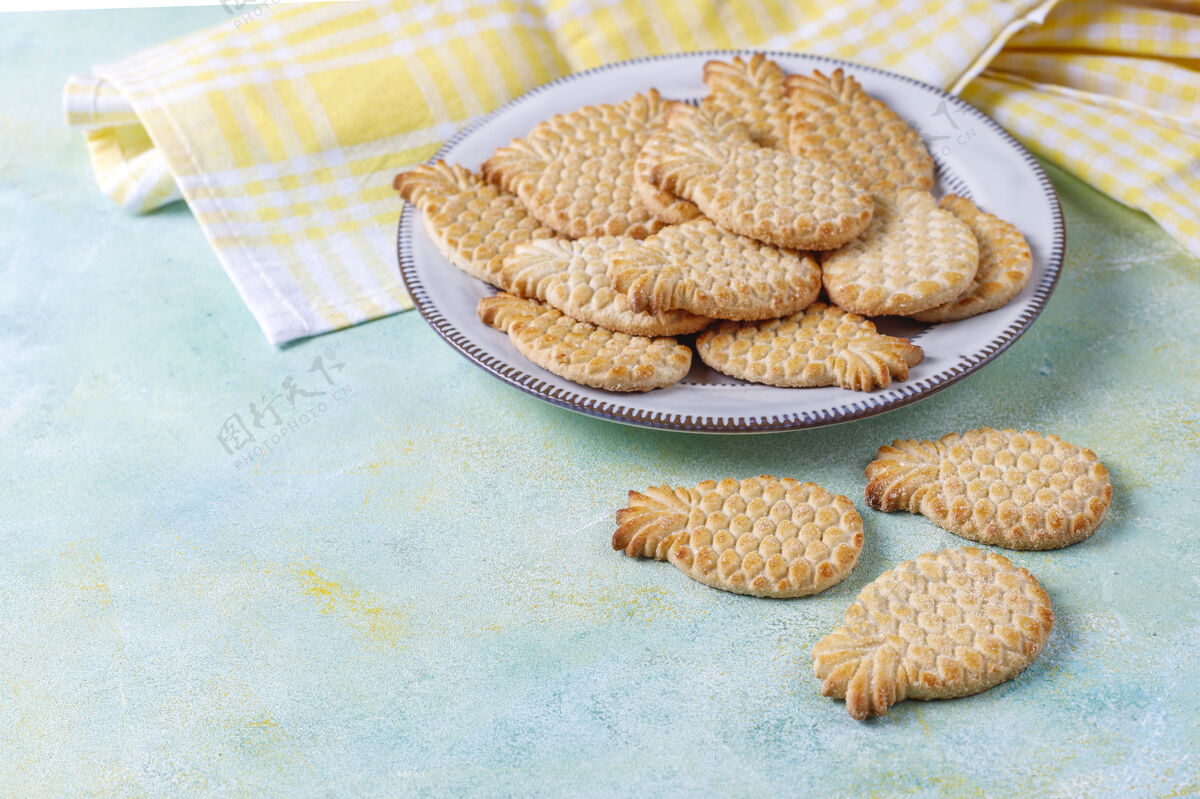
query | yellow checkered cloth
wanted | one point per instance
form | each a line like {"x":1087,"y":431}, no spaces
{"x":283,"y":126}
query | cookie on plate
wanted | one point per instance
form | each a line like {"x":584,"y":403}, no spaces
{"x":820,"y":346}
{"x":699,"y":267}
{"x":1020,"y":490}
{"x":1005,"y":264}
{"x":914,"y":256}
{"x":582,"y":352}
{"x":948,"y":624}
{"x":664,"y":205}
{"x":768,"y":195}
{"x":762,"y":536}
{"x":748,"y":90}
{"x":572,"y":276}
{"x":471,"y":222}
{"x":833,"y":119}
{"x":575,"y":171}
{"x":752,"y":90}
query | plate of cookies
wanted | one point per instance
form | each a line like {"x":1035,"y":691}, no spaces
{"x":731,"y":241}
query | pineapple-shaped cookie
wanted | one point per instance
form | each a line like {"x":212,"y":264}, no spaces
{"x":912,"y":257}
{"x":820,"y":346}
{"x":471,"y":222}
{"x":833,"y":119}
{"x":701,"y":268}
{"x":947,"y":624}
{"x":574,"y":172}
{"x":765,"y":194}
{"x":1021,"y":490}
{"x":585,"y":353}
{"x":572,"y":276}
{"x":762,"y":536}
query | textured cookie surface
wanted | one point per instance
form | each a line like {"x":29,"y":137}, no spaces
{"x":699,"y":267}
{"x":762,"y":536}
{"x":748,"y":90}
{"x":662,"y":146}
{"x":820,"y":346}
{"x":769,"y":195}
{"x":1021,"y":490}
{"x":471,"y":222}
{"x":947,"y":624}
{"x":572,"y":276}
{"x":833,"y":119}
{"x":575,"y":171}
{"x":913,"y":256}
{"x":582,"y":352}
{"x":753,"y":91}
{"x":1005,"y":264}
{"x":663,"y":205}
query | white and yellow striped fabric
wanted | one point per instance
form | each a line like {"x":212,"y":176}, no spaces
{"x":282,"y":128}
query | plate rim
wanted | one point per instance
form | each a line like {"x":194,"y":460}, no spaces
{"x":860,"y":408}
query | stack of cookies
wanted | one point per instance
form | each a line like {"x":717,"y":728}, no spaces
{"x":613,"y":229}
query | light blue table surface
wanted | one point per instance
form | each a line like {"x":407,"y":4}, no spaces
{"x":413,"y":593}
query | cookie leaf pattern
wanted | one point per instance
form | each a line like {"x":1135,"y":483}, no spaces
{"x":1020,"y":490}
{"x":752,"y":90}
{"x":472,"y":223}
{"x":575,"y":171}
{"x":585,"y":353}
{"x":572,"y":276}
{"x":765,"y":194}
{"x":820,"y":346}
{"x":699,"y":267}
{"x":748,"y":90}
{"x":834,"y":119}
{"x":948,"y":624}
{"x":762,"y":536}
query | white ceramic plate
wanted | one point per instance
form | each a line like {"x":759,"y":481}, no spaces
{"x":975,"y":157}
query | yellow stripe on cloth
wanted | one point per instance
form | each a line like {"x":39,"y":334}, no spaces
{"x":1151,"y":166}
{"x":1156,"y":85}
{"x":282,"y":127}
{"x":1109,"y":91}
{"x":282,"y":132}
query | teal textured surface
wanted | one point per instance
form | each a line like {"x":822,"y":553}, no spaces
{"x":411,"y":592}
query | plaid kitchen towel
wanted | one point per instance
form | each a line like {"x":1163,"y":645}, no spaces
{"x":282,"y":127}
